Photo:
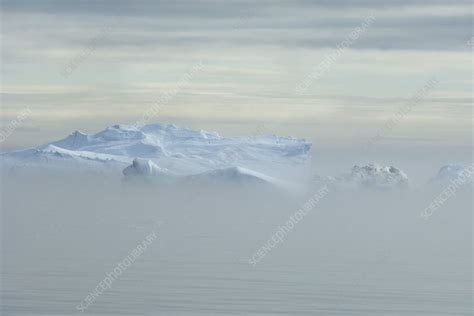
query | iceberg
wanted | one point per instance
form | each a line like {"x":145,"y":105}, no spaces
{"x":452,"y":172}
{"x":371,"y":176}
{"x":167,"y":150}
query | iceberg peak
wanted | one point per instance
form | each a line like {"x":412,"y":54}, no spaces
{"x":142,"y":167}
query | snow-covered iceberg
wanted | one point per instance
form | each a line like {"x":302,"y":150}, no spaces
{"x":371,"y":176}
{"x":166,"y":149}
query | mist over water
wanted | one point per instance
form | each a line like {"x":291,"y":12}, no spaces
{"x":236,"y":157}
{"x":362,"y":252}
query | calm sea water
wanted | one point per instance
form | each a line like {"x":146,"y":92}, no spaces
{"x":349,"y":256}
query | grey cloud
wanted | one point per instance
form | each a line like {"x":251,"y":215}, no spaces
{"x":204,"y":8}
{"x":436,"y":33}
{"x":148,"y":24}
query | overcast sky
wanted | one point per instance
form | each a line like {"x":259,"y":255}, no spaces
{"x":234,"y":65}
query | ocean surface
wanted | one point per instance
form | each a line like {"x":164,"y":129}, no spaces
{"x":353,"y":254}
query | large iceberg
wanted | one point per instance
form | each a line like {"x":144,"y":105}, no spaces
{"x":166,"y":149}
